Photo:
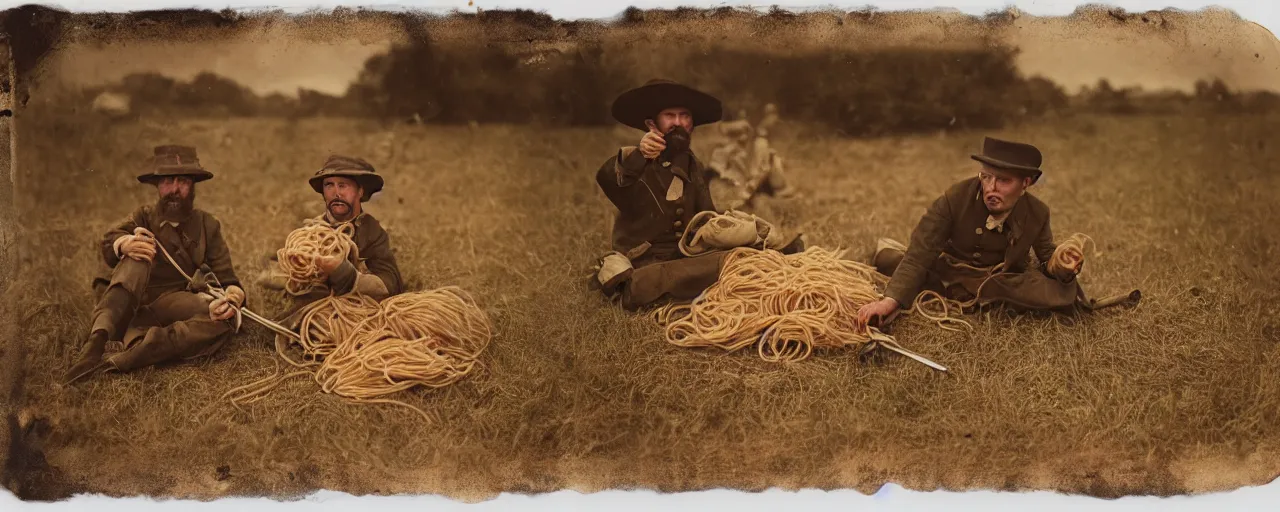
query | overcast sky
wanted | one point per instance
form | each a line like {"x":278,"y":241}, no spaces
{"x":1173,"y":55}
{"x":1245,"y":55}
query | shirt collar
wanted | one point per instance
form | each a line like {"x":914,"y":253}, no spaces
{"x":997,"y":223}
{"x":994,"y":223}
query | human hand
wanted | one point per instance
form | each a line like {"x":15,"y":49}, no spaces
{"x":652,"y":144}
{"x":235,"y":295}
{"x":327,"y":264}
{"x":1067,"y":263}
{"x":139,"y":247}
{"x":221,"y":309}
{"x":881,"y":308}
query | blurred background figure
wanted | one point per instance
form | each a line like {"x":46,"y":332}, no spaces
{"x":746,"y":163}
{"x":767,"y":175}
{"x":729,"y":159}
{"x":770,"y":120}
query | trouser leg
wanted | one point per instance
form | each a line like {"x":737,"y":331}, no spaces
{"x":681,"y":279}
{"x":180,"y":329}
{"x":111,"y":314}
{"x":120,"y":300}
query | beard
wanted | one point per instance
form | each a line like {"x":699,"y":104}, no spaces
{"x":678,"y":151}
{"x":678,"y":141}
{"x":176,"y":208}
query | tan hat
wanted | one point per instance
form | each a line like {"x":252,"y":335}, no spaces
{"x":348,"y":167}
{"x":172,"y":160}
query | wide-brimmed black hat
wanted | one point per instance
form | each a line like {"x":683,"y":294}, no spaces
{"x":634,"y":106}
{"x":172,"y":160}
{"x":348,"y":167}
{"x":1021,"y":159}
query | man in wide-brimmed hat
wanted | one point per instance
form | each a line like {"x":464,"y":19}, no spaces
{"x":658,"y":187}
{"x":980,"y":223}
{"x":346,"y":183}
{"x":145,"y":303}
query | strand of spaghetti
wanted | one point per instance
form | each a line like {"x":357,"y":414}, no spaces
{"x":361,"y":350}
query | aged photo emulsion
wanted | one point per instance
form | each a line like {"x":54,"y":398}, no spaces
{"x":263,"y":254}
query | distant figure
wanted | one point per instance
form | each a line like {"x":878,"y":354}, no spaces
{"x":145,"y":303}
{"x":770,"y":120}
{"x":767,"y":175}
{"x":763,"y":172}
{"x":730,"y":160}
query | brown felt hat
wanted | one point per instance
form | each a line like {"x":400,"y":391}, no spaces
{"x":634,"y":106}
{"x":172,"y":160}
{"x":1021,"y":159}
{"x":348,"y":167}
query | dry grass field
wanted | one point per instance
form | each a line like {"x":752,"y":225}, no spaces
{"x":1180,"y":394}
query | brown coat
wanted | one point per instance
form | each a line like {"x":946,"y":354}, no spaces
{"x":955,"y":225}
{"x":374,"y":248}
{"x":638,"y":188}
{"x":196,"y":241}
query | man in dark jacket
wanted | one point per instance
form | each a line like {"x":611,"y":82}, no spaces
{"x":658,"y":187}
{"x":145,"y":302}
{"x":981,"y":223}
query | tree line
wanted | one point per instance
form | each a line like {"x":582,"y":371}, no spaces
{"x":856,"y":93}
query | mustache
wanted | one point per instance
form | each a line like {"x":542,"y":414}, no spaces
{"x":678,"y":140}
{"x":339,"y":201}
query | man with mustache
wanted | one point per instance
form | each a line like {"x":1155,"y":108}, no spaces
{"x":145,"y":302}
{"x":658,"y":187}
{"x":346,"y":183}
{"x":979,"y":223}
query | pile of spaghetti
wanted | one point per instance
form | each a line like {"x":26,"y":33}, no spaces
{"x":362,"y":349}
{"x":786,"y":305}
{"x":301,"y":248}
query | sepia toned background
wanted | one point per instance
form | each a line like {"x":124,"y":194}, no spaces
{"x":489,"y":128}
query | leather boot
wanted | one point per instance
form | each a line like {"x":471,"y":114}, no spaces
{"x":615,"y":269}
{"x":90,"y":357}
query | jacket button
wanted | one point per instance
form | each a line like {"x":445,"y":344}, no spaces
{"x":977,"y":255}
{"x":679,"y":211}
{"x":678,"y":224}
{"x":977,"y":231}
